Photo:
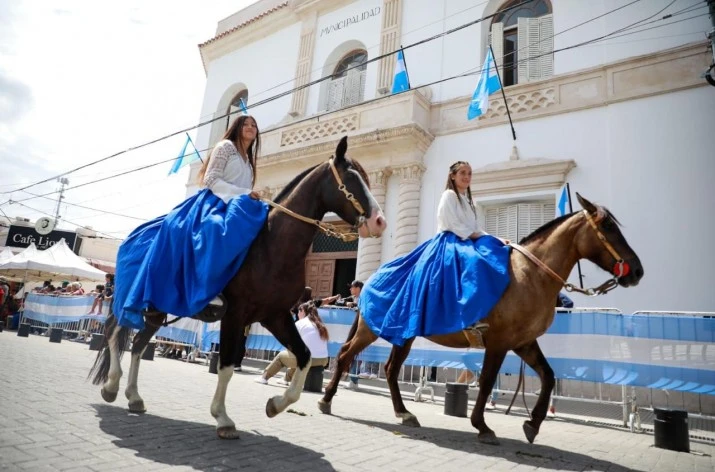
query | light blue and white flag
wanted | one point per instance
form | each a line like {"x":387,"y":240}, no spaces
{"x":401,"y":81}
{"x":244,"y":110}
{"x":562,"y":204}
{"x":488,"y":84}
{"x":185,"y":158}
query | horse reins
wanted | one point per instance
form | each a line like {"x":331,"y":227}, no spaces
{"x":327,"y":228}
{"x":620,"y":269}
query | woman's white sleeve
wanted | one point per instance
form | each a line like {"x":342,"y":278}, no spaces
{"x":449,"y":218}
{"x":214,"y":177}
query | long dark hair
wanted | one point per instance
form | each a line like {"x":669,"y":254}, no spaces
{"x":312,"y":313}
{"x":234,"y":134}
{"x":452,"y":186}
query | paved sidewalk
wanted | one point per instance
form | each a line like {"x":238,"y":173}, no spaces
{"x":53,"y":419}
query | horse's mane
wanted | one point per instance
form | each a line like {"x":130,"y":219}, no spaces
{"x":289,"y":188}
{"x":545,"y":228}
{"x":293,"y":183}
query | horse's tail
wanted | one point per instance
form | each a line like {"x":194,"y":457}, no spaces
{"x":100,"y":368}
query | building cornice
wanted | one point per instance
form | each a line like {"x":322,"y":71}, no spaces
{"x":518,"y":176}
{"x":629,"y":79}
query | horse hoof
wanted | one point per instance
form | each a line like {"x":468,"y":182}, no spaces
{"x":488,"y":438}
{"x":411,"y":420}
{"x":530,"y":432}
{"x":324,"y":407}
{"x":108,"y":396}
{"x":227,"y":432}
{"x":271,"y":409}
{"x":137,"y":407}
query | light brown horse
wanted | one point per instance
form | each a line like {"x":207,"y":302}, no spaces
{"x":525,"y":311}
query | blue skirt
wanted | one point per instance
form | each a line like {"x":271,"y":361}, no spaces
{"x":179,"y":262}
{"x":441,"y":287}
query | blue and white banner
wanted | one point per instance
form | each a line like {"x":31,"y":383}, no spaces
{"x":656,"y":350}
{"x":52,"y":309}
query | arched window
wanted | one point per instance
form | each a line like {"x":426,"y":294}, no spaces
{"x":234,"y":108}
{"x":347,"y":84}
{"x":523,"y":41}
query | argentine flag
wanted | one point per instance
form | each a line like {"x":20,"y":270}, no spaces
{"x":562,"y":204}
{"x":488,"y":84}
{"x":184,"y":158}
{"x":401,"y":82}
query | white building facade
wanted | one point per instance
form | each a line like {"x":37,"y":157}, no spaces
{"x":627,"y":121}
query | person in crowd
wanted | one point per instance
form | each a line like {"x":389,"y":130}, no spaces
{"x":314,"y":334}
{"x":105,"y":294}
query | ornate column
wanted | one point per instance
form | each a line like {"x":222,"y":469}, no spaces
{"x":302,"y":69}
{"x":390,"y":37}
{"x":370,"y":250}
{"x":408,"y":207}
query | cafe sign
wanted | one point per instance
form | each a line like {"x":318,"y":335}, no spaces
{"x":23,"y":236}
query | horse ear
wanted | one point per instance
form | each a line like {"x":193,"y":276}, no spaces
{"x":341,"y":149}
{"x":585,"y":204}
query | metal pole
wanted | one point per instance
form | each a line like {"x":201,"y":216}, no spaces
{"x":501,"y":87}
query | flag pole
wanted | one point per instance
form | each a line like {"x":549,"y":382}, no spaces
{"x":578,"y":263}
{"x":404,"y":61}
{"x":501,"y":87}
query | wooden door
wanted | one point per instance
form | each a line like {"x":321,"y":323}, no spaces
{"x":319,"y":275}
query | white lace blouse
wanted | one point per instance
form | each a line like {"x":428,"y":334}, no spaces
{"x":228,"y":174}
{"x":456,"y":215}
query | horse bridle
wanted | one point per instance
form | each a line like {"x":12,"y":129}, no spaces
{"x":620,"y":268}
{"x":327,"y":228}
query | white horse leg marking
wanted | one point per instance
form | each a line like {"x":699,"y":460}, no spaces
{"x":292,"y":393}
{"x":115,"y":369}
{"x":136,"y":403}
{"x":218,"y":404}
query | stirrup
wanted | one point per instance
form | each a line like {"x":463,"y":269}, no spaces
{"x":475,"y":335}
{"x":214,"y":311}
{"x":481,"y":327}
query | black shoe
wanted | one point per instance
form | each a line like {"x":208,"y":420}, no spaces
{"x":237,"y":368}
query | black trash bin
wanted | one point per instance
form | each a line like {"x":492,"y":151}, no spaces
{"x":95,"y":344}
{"x":455,"y":399}
{"x":314,"y":380}
{"x":23,"y":330}
{"x":213,"y":363}
{"x":56,"y":335}
{"x":148,"y":354}
{"x":671,"y":429}
{"x":2,"y":325}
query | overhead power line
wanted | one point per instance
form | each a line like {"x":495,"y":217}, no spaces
{"x":464,"y":74}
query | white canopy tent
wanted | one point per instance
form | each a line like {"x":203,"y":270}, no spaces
{"x":7,"y":254}
{"x":57,"y":261}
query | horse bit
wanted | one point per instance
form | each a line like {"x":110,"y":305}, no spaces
{"x":620,"y":269}
{"x":327,"y":228}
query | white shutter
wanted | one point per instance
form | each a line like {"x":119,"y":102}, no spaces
{"x":496,"y":39}
{"x":528,"y":50}
{"x":532,"y":216}
{"x":501,"y":221}
{"x":546,"y":46}
{"x":491,"y":220}
{"x":354,"y":87}
{"x":335,"y":93}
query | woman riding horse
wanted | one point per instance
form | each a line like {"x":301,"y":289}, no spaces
{"x":437,"y":291}
{"x":277,"y":253}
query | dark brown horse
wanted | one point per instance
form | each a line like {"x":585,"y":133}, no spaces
{"x":525,"y":311}
{"x":276,"y":259}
